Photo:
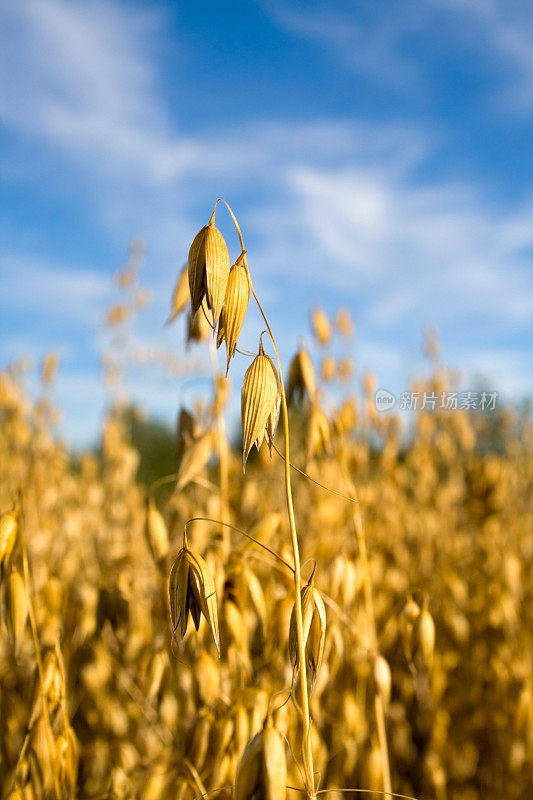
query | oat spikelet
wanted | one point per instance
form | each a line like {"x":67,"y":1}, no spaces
{"x":208,"y":269}
{"x":234,"y":309}
{"x":194,"y":460}
{"x":248,"y":774}
{"x":321,"y":326}
{"x":344,"y":323}
{"x":301,"y":376}
{"x":155,"y":531}
{"x":198,"y":325}
{"x":383,"y":679}
{"x":314,"y":630}
{"x":192,"y":588}
{"x":318,"y":433}
{"x":408,"y":618}
{"x":262,"y":769}
{"x":274,"y":764}
{"x":425,"y":634}
{"x":260,"y":402}
{"x":187,"y":429}
{"x":180,"y":296}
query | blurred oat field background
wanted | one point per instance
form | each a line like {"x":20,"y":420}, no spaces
{"x":350,"y":617}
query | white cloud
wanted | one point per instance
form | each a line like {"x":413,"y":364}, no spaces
{"x":432,"y":249}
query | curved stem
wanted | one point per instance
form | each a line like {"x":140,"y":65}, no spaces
{"x":243,"y":533}
{"x":307,"y":753}
{"x":317,"y":483}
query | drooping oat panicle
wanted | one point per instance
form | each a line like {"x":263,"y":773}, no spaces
{"x":301,"y":376}
{"x":234,"y":309}
{"x":260,"y":403}
{"x":9,"y":523}
{"x":208,"y":269}
{"x":314,"y":632}
{"x":192,"y":589}
{"x":181,"y":295}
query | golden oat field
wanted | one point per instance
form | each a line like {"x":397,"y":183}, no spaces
{"x":350,"y":617}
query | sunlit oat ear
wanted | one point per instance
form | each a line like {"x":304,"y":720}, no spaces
{"x":234,"y":309}
{"x":208,"y":269}
{"x":260,"y":399}
{"x":314,"y":631}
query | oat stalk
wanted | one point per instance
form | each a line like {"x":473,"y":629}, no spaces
{"x":307,"y":754}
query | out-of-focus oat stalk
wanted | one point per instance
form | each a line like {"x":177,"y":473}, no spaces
{"x":379,"y":709}
{"x":223,"y":455}
{"x":38,"y":655}
{"x":307,"y":752}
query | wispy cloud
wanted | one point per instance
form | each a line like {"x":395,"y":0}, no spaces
{"x":79,"y":77}
{"x":390,"y":42}
{"x":39,"y":289}
{"x":505,"y":30}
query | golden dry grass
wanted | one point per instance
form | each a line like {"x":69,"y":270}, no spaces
{"x":427,"y":583}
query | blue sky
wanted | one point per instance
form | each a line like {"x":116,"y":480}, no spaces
{"x":377,"y":154}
